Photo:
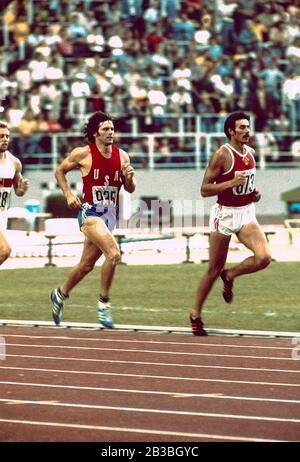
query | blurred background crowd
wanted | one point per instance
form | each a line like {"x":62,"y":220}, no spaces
{"x":150,"y":63}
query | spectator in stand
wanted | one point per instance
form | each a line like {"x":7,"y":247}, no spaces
{"x":54,"y":72}
{"x":278,"y":35}
{"x":183,"y":28}
{"x":247,"y":37}
{"x":294,"y":49}
{"x":65,"y":45}
{"x":79,"y":92}
{"x":38,"y":66}
{"x":14,"y":115}
{"x":182,"y":75}
{"x":52,"y":96}
{"x":29,"y":139}
{"x":53,"y":125}
{"x":34,"y":100}
{"x":154,"y":38}
{"x":180,"y":100}
{"x":259,"y":105}
{"x":157,"y":105}
{"x":272,"y":77}
{"x":291,"y":99}
{"x":23,"y":77}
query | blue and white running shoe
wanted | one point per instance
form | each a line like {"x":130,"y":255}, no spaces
{"x":58,"y":303}
{"x":105,"y":315}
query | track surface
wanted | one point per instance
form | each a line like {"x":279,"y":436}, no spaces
{"x":61,"y":384}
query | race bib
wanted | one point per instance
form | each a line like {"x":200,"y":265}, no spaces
{"x":105,"y":195}
{"x":4,"y":196}
{"x":248,"y":186}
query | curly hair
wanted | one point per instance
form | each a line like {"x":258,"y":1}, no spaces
{"x":231,"y":119}
{"x":92,"y":125}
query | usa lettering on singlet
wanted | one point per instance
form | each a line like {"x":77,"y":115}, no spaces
{"x":103,"y":183}
{"x":241,"y":195}
{"x":7,"y":173}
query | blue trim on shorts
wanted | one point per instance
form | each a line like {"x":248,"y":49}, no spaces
{"x":92,"y":210}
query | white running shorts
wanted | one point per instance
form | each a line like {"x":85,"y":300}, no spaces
{"x":229,"y":220}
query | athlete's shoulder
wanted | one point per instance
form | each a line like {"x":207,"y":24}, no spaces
{"x":16,"y":162}
{"x":223,"y":150}
{"x":80,"y":152}
{"x":124,"y":156}
{"x":223,"y":153}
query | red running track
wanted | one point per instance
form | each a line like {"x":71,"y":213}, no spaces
{"x":96,"y":385}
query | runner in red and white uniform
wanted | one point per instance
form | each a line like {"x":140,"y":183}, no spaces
{"x":231,"y":177}
{"x":10,"y":178}
{"x":105,"y":169}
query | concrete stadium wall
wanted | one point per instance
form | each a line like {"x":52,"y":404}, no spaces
{"x":179,"y":185}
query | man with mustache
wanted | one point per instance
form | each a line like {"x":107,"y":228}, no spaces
{"x":10,"y":177}
{"x":105,"y":169}
{"x":230,"y":176}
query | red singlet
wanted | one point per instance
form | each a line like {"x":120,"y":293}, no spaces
{"x":104,"y":180}
{"x":242,"y":195}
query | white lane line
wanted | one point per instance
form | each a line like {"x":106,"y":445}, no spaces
{"x":146,"y":376}
{"x":151,"y":392}
{"x":138,"y":431}
{"x":148,"y":411}
{"x":132,"y":350}
{"x":152,"y":363}
{"x":155,"y":342}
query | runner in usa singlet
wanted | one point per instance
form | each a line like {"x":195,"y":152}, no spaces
{"x":101,"y":187}
{"x":242,"y":195}
{"x":104,"y":180}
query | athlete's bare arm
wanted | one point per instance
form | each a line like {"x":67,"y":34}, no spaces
{"x":128,"y":172}
{"x":78,"y":158}
{"x":218,"y":164}
{"x":20,"y":184}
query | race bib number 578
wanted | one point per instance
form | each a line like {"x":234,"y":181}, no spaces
{"x":105,"y":195}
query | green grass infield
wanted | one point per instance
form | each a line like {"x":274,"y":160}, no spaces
{"x":160,"y":295}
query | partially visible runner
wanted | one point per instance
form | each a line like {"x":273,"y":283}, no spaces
{"x":105,"y":169}
{"x":230,"y":176}
{"x":10,"y":177}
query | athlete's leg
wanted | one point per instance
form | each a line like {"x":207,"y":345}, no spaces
{"x":253,"y":237}
{"x":219,"y":244}
{"x":90,"y":254}
{"x":98,"y":233}
{"x":5,"y":249}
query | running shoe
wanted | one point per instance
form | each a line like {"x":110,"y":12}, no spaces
{"x":198,"y":327}
{"x":57,"y":299}
{"x":105,"y":315}
{"x":227,"y":288}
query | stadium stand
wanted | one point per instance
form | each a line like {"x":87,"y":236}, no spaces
{"x":169,"y":71}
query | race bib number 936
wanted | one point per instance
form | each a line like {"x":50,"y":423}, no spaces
{"x":105,"y":195}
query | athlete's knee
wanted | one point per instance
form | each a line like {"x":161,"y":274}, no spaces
{"x":86,"y":267}
{"x":113,"y":257}
{"x":5,"y":253}
{"x":263,"y":261}
{"x":214,"y":272}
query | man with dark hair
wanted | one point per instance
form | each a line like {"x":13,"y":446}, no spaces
{"x":10,"y":177}
{"x":105,"y":169}
{"x":230,"y":176}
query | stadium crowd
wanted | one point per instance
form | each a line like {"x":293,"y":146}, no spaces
{"x":149,"y":59}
